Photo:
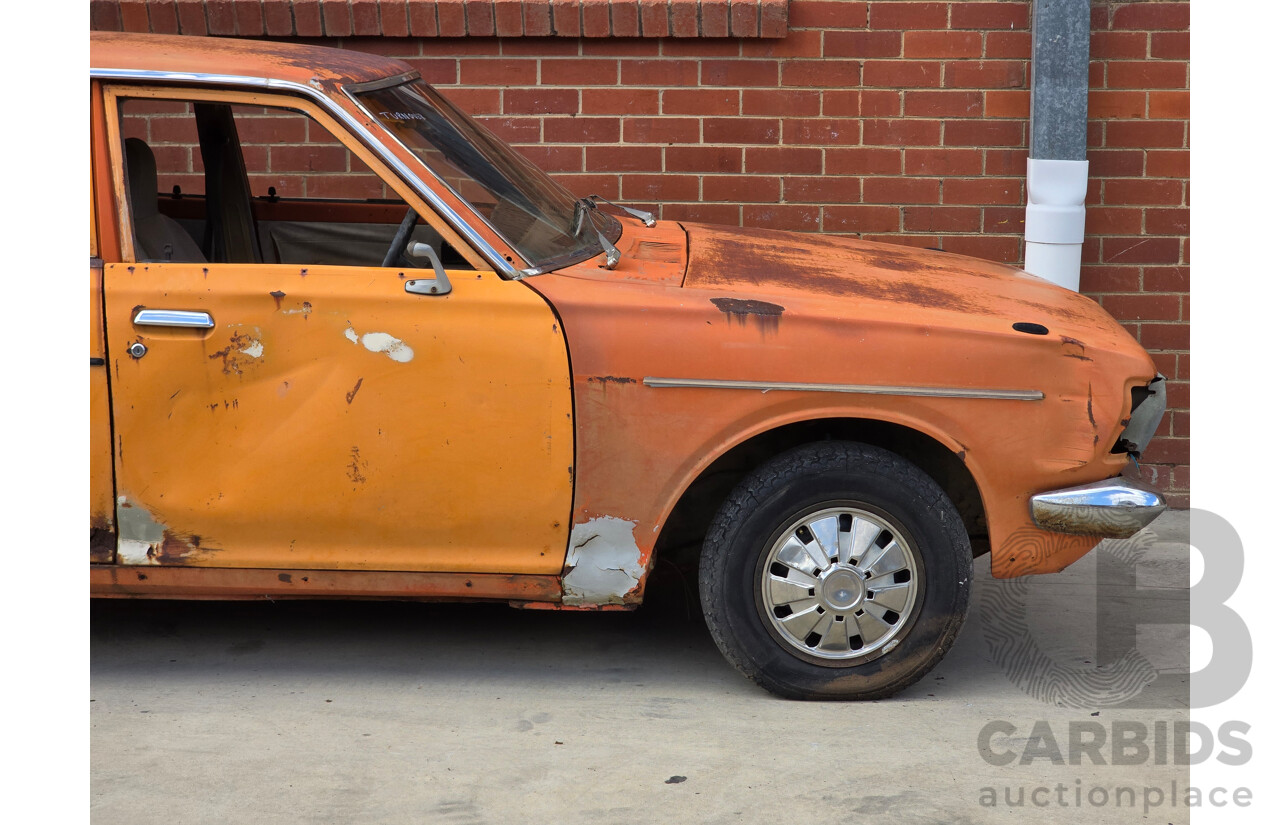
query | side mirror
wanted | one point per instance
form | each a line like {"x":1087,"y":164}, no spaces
{"x":439,"y":286}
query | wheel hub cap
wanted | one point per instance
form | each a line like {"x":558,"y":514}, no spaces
{"x":840,"y":584}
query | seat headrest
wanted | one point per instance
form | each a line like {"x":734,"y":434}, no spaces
{"x":141,"y":165}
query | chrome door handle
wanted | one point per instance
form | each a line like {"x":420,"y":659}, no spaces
{"x":173,"y":318}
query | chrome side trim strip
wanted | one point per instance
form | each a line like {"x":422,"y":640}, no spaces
{"x":451,"y":217}
{"x":173,"y":318}
{"x":862,"y":389}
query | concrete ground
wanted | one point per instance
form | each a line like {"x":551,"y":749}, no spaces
{"x":386,"y":713}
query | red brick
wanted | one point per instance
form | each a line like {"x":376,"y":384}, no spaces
{"x":989,"y":16}
{"x":1003,"y":220}
{"x":390,"y":19}
{"x":785,"y":217}
{"x":984,"y":133}
{"x":581,"y":130}
{"x":1096,"y":278}
{"x":422,"y":18}
{"x":985,"y":74}
{"x":876,"y":103}
{"x":566,"y":18}
{"x":660,"y":188}
{"x":579,"y":72}
{"x":783,"y":160}
{"x":451,"y":18}
{"x":497,"y":72}
{"x":900,"y":190}
{"x":943,"y":104}
{"x":941,"y":218}
{"x":1168,"y":164}
{"x":1008,"y":104}
{"x":704,"y":46}
{"x":436,"y":71}
{"x":133,"y":16}
{"x":616,"y":102}
{"x":982,"y":190}
{"x":739,"y":130}
{"x":1166,"y":278}
{"x":625,"y":18}
{"x":1105,"y":45}
{"x":308,"y":158}
{"x":515,"y":129}
{"x":1114,"y":105}
{"x":863,"y":161}
{"x":781,"y":102}
{"x":653,"y":18}
{"x":624,"y":159}
{"x":540,"y":101}
{"x":817,"y":73}
{"x":1119,"y":163}
{"x":660,"y":72}
{"x":1166,"y":336}
{"x":740,"y":188}
{"x":743,"y":18}
{"x":335,"y":13}
{"x":773,"y":18}
{"x":916,"y":241}
{"x":595,"y":18}
{"x":553,"y":159}
{"x":1152,"y":16}
{"x":796,"y":44}
{"x":1112,"y":220}
{"x":862,"y":44}
{"x":901,"y":132}
{"x":364,"y":18}
{"x":1146,"y":134}
{"x":942,"y":162}
{"x":828,"y":14}
{"x":164,"y":16}
{"x":666,"y":130}
{"x":739,"y":73}
{"x":703,"y":159}
{"x":822,"y":131}
{"x":715,"y":18}
{"x":951,"y":44}
{"x":508,"y":18}
{"x":191,"y":18}
{"x":479,"y":14}
{"x":904,"y":16}
{"x":844,"y":103}
{"x":823,"y":190}
{"x":606,"y":186}
{"x":486,"y":101}
{"x":860,"y":218}
{"x":1147,"y":74}
{"x":1176,"y":105}
{"x":684,"y":20}
{"x":700,"y":102}
{"x":220,"y":16}
{"x":1140,"y":250}
{"x":1168,"y":221}
{"x":1142,"y":307}
{"x":536,"y":19}
{"x":717,"y":213}
{"x":1000,"y":248}
{"x":271,"y":129}
{"x":1008,"y":45}
{"x":1171,"y":45}
{"x":895,"y":74}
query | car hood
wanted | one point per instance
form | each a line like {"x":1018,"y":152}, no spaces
{"x":861,"y":277}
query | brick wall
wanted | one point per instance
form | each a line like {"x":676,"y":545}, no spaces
{"x":898,"y":121}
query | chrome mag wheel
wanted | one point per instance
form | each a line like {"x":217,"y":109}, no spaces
{"x":841,"y":585}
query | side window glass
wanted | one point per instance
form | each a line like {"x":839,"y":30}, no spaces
{"x":230,"y":183}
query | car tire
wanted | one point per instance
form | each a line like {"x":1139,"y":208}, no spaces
{"x":798,"y":554}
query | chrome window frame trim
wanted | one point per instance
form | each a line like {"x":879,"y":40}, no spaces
{"x":861,"y":389}
{"x":447,"y":213}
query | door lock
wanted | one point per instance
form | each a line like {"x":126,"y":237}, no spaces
{"x":137,"y":349}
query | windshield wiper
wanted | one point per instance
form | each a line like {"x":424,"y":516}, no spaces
{"x":584,"y":207}
{"x":645,"y":217}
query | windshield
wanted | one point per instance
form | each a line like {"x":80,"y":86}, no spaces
{"x":534,"y":214}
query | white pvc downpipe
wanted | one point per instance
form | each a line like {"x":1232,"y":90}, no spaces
{"x":1055,"y":219}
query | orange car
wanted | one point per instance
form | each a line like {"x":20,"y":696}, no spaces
{"x":347,"y":343}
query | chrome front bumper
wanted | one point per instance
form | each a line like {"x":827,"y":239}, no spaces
{"x":1114,"y":508}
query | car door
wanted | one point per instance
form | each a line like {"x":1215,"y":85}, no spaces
{"x":294,"y":413}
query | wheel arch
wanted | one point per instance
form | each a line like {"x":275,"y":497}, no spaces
{"x":680,"y":538}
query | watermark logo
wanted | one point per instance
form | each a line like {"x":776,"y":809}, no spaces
{"x":1120,"y":673}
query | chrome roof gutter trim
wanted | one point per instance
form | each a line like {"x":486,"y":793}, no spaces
{"x":450,"y":216}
